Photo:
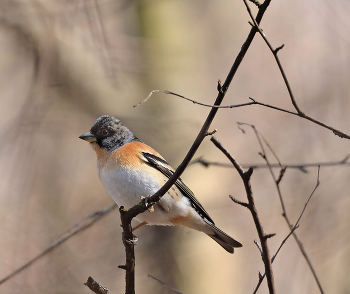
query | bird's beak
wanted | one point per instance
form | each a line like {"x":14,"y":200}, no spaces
{"x":88,"y":137}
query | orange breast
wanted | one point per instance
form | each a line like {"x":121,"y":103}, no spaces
{"x":127,"y":155}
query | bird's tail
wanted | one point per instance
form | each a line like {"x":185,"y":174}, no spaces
{"x":223,"y":239}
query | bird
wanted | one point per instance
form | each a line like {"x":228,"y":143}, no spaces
{"x":131,"y":170}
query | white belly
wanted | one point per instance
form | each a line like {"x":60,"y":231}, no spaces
{"x":126,"y":187}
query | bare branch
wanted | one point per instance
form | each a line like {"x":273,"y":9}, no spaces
{"x":193,"y":101}
{"x":244,"y":204}
{"x":261,"y":277}
{"x":255,"y":2}
{"x":284,"y":241}
{"x":300,"y":166}
{"x":213,"y":111}
{"x":211,"y":133}
{"x":259,"y":247}
{"x":284,"y":212}
{"x":229,"y":156}
{"x":303,"y":115}
{"x":267,"y":236}
{"x":254,"y":102}
{"x":312,"y":193}
{"x":260,"y":136}
{"x":274,"y":52}
{"x":95,"y":286}
{"x":291,"y":233}
{"x":165,"y":285}
{"x":282,"y":172}
{"x":251,"y":206}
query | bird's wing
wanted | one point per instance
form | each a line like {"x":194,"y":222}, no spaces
{"x":164,"y":167}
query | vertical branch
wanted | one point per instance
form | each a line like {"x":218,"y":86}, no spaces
{"x":284,"y":211}
{"x":251,"y":206}
{"x":129,"y":243}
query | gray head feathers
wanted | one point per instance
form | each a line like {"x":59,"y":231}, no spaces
{"x":110,"y":133}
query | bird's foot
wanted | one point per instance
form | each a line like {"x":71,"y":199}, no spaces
{"x":139,"y":226}
{"x":128,"y":241}
{"x":148,"y":203}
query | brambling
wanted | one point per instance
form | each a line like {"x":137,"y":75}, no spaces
{"x":131,"y":170}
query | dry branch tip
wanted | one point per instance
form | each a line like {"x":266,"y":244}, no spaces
{"x":259,"y":247}
{"x":248,"y":174}
{"x":257,"y":3}
{"x":219,"y":87}
{"x":211,"y":133}
{"x":95,"y":286}
{"x":239,"y":202}
{"x":267,"y":236}
{"x":345,"y":159}
{"x":278,"y":49}
{"x":165,"y":285}
{"x":282,"y":172}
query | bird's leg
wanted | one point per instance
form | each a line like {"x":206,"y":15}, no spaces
{"x":139,"y":226}
{"x":132,"y":242}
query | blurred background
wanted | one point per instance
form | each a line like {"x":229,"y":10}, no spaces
{"x":65,"y":63}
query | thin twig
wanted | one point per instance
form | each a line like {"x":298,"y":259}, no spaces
{"x":284,"y":211}
{"x":260,"y":249}
{"x":264,"y":156}
{"x":292,"y":230}
{"x":265,"y":141}
{"x":165,"y":285}
{"x":73,"y":230}
{"x":254,"y":102}
{"x":261,"y":278}
{"x":307,"y":202}
{"x":211,"y":133}
{"x":301,"y":245}
{"x":301,"y":166}
{"x":284,"y":241}
{"x":193,"y":101}
{"x":245,"y":176}
{"x":274,"y":52}
{"x":304,"y":116}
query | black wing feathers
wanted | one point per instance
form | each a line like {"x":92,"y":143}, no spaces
{"x":164,"y":167}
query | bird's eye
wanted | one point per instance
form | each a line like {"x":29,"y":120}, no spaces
{"x":104,"y":132}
